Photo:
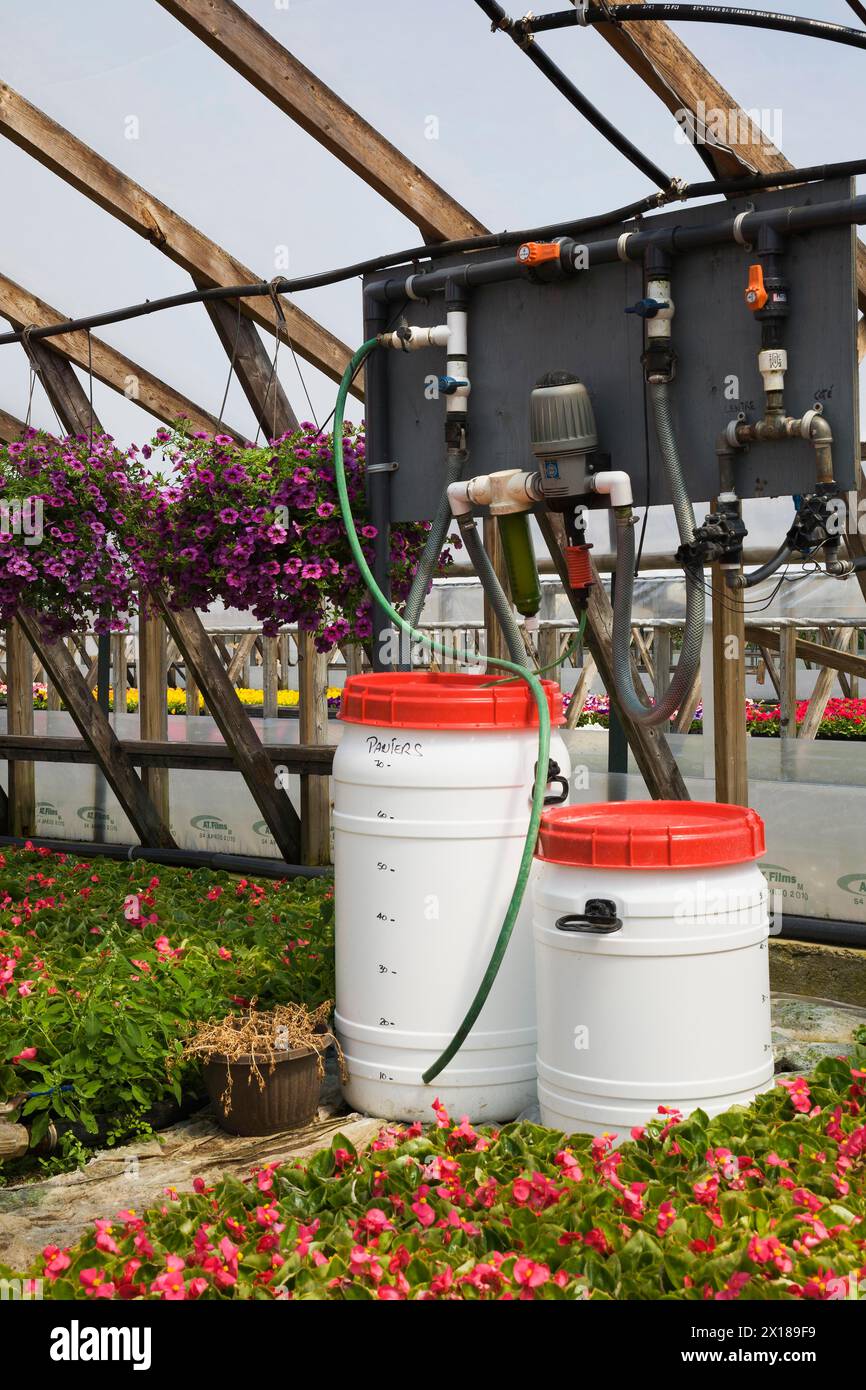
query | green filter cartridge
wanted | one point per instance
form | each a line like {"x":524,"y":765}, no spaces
{"x":519,"y":554}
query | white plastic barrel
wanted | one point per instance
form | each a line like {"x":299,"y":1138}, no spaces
{"x":652,"y":972}
{"x":433,"y":778}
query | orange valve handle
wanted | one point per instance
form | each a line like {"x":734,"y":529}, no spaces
{"x":756,"y":295}
{"x":536,"y":252}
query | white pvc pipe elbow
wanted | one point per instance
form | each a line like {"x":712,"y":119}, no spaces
{"x":616,"y":484}
{"x":412,"y":339}
{"x":473,"y":492}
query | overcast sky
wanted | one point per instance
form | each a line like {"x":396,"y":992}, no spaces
{"x":508,"y":148}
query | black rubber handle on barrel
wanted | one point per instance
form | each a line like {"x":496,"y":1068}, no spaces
{"x":598,"y":918}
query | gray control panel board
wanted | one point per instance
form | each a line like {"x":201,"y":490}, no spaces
{"x":520,"y":330}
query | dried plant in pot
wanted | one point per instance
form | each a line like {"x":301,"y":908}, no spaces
{"x":264,"y":1070}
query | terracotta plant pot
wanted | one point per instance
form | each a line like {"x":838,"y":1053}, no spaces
{"x":289,"y":1099}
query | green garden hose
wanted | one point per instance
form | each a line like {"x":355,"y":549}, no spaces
{"x":443,"y":649}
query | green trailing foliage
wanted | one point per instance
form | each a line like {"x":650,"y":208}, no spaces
{"x":105,"y":966}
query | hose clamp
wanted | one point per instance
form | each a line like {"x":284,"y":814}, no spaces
{"x":581,"y":8}
{"x":409,"y":290}
{"x":622,"y":245}
{"x":806,"y":421}
{"x":738,"y":227}
{"x":731,"y":433}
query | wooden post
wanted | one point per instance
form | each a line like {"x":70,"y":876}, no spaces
{"x":549,"y":652}
{"x":191,"y":690}
{"x":651,"y":750}
{"x":95,"y":729}
{"x":313,"y":721}
{"x":353,"y":655}
{"x":118,"y":663}
{"x":270,"y":679}
{"x":234,"y":724}
{"x":493,"y":545}
{"x":729,"y":683}
{"x":152,"y":706}
{"x":662,"y":662}
{"x":19,"y":719}
{"x":788,"y":680}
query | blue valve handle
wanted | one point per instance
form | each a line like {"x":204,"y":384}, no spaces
{"x":647,"y":308}
{"x":448,"y":384}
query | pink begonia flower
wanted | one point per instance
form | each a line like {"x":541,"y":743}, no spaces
{"x":197,"y":1287}
{"x":666,"y":1217}
{"x":56,"y":1260}
{"x":171,"y":1286}
{"x":29,"y":1054}
{"x":96,"y":1284}
{"x":373,"y":1223}
{"x":569,"y":1165}
{"x":104,"y":1239}
{"x":529,"y":1274}
{"x":422,"y":1208}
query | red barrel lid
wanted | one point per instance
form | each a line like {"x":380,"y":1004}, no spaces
{"x":444,"y":700}
{"x":650,"y":835}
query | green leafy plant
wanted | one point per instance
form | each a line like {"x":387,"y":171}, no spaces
{"x":760,"y":1202}
{"x":103,"y":969}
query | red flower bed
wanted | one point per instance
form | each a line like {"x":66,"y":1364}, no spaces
{"x":761,"y":1202}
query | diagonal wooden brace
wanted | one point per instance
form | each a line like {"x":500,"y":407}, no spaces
{"x":234,"y":724}
{"x":651,"y":749}
{"x":92,"y":723}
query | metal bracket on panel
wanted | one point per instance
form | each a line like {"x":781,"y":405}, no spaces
{"x":382,"y":467}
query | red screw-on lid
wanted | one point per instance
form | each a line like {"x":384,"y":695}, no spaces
{"x":444,"y":700}
{"x":651,"y":835}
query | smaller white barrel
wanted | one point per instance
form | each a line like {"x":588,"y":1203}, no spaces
{"x":652,"y":969}
{"x":432,"y":794}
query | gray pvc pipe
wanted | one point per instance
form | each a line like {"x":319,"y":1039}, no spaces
{"x":690,"y":655}
{"x":494,"y":591}
{"x":775,"y":563}
{"x":454,"y":464}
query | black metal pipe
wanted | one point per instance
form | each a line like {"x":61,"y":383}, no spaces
{"x":688,"y":13}
{"x":750,"y":183}
{"x":500,"y":20}
{"x":179,"y":858}
{"x":378,"y":470}
{"x":823,"y":933}
{"x":672,"y":238}
{"x":781,"y":557}
{"x":489,"y":241}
